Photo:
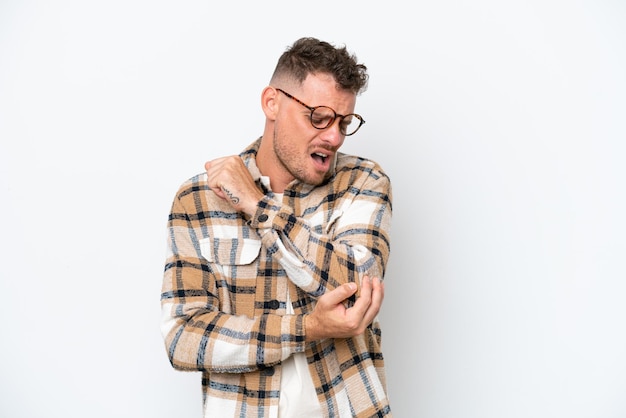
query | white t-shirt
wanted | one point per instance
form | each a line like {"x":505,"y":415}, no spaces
{"x":297,"y":392}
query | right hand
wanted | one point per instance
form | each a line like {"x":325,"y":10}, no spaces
{"x":330,"y":317}
{"x":230,"y":179}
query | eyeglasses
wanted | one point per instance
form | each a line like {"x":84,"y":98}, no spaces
{"x":323,"y":116}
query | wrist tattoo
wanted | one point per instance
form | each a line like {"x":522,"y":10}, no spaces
{"x":234,"y":199}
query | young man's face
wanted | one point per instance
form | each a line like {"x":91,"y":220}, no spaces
{"x":305,"y":152}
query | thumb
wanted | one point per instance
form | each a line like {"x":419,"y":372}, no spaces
{"x":341,"y":293}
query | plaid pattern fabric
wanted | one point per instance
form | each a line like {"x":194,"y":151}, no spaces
{"x":226,"y":281}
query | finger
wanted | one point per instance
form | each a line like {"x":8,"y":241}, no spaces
{"x":366,"y":287}
{"x":338,"y":295}
{"x":219,"y":193}
{"x":365,"y":297}
{"x":215,"y":163}
{"x":378,"y":291}
{"x":378,"y":294}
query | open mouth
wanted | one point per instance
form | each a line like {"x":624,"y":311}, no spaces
{"x":320,"y":157}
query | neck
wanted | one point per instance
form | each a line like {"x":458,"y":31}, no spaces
{"x":269,"y":166}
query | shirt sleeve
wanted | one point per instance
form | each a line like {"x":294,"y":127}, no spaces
{"x":352,"y":241}
{"x":198,"y":332}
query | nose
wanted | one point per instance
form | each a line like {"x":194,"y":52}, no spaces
{"x":332,"y":134}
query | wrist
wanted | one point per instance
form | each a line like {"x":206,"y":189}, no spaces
{"x":309,"y":328}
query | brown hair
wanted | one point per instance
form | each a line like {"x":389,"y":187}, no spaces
{"x":310,"y":55}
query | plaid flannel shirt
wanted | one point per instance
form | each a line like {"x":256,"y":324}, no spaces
{"x":226,"y":281}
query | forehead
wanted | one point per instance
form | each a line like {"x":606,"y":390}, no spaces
{"x":321,"y":89}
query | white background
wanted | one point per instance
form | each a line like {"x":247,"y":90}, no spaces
{"x":501,"y":125}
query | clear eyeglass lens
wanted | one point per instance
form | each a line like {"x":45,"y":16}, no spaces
{"x":350,"y":124}
{"x":324,"y":116}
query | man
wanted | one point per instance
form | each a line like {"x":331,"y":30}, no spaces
{"x":272,"y":283}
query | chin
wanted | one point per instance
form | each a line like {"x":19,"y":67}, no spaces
{"x":314,"y":180}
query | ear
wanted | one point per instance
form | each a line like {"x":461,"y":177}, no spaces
{"x":269,"y":104}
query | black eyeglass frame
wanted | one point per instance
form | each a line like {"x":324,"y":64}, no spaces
{"x":330,"y":121}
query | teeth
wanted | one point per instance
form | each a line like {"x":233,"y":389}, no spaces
{"x":321,"y":155}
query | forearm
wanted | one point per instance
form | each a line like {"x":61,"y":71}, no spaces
{"x":217,"y":342}
{"x":353,"y":242}
{"x":325,"y":263}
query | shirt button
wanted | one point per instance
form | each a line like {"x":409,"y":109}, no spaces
{"x":274,"y":304}
{"x":262,"y":218}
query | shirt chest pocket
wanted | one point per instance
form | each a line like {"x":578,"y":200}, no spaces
{"x":235,"y":262}
{"x":230,"y":251}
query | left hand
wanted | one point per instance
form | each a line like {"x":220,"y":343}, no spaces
{"x":330,"y":317}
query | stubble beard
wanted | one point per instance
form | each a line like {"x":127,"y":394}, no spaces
{"x":289,"y":158}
